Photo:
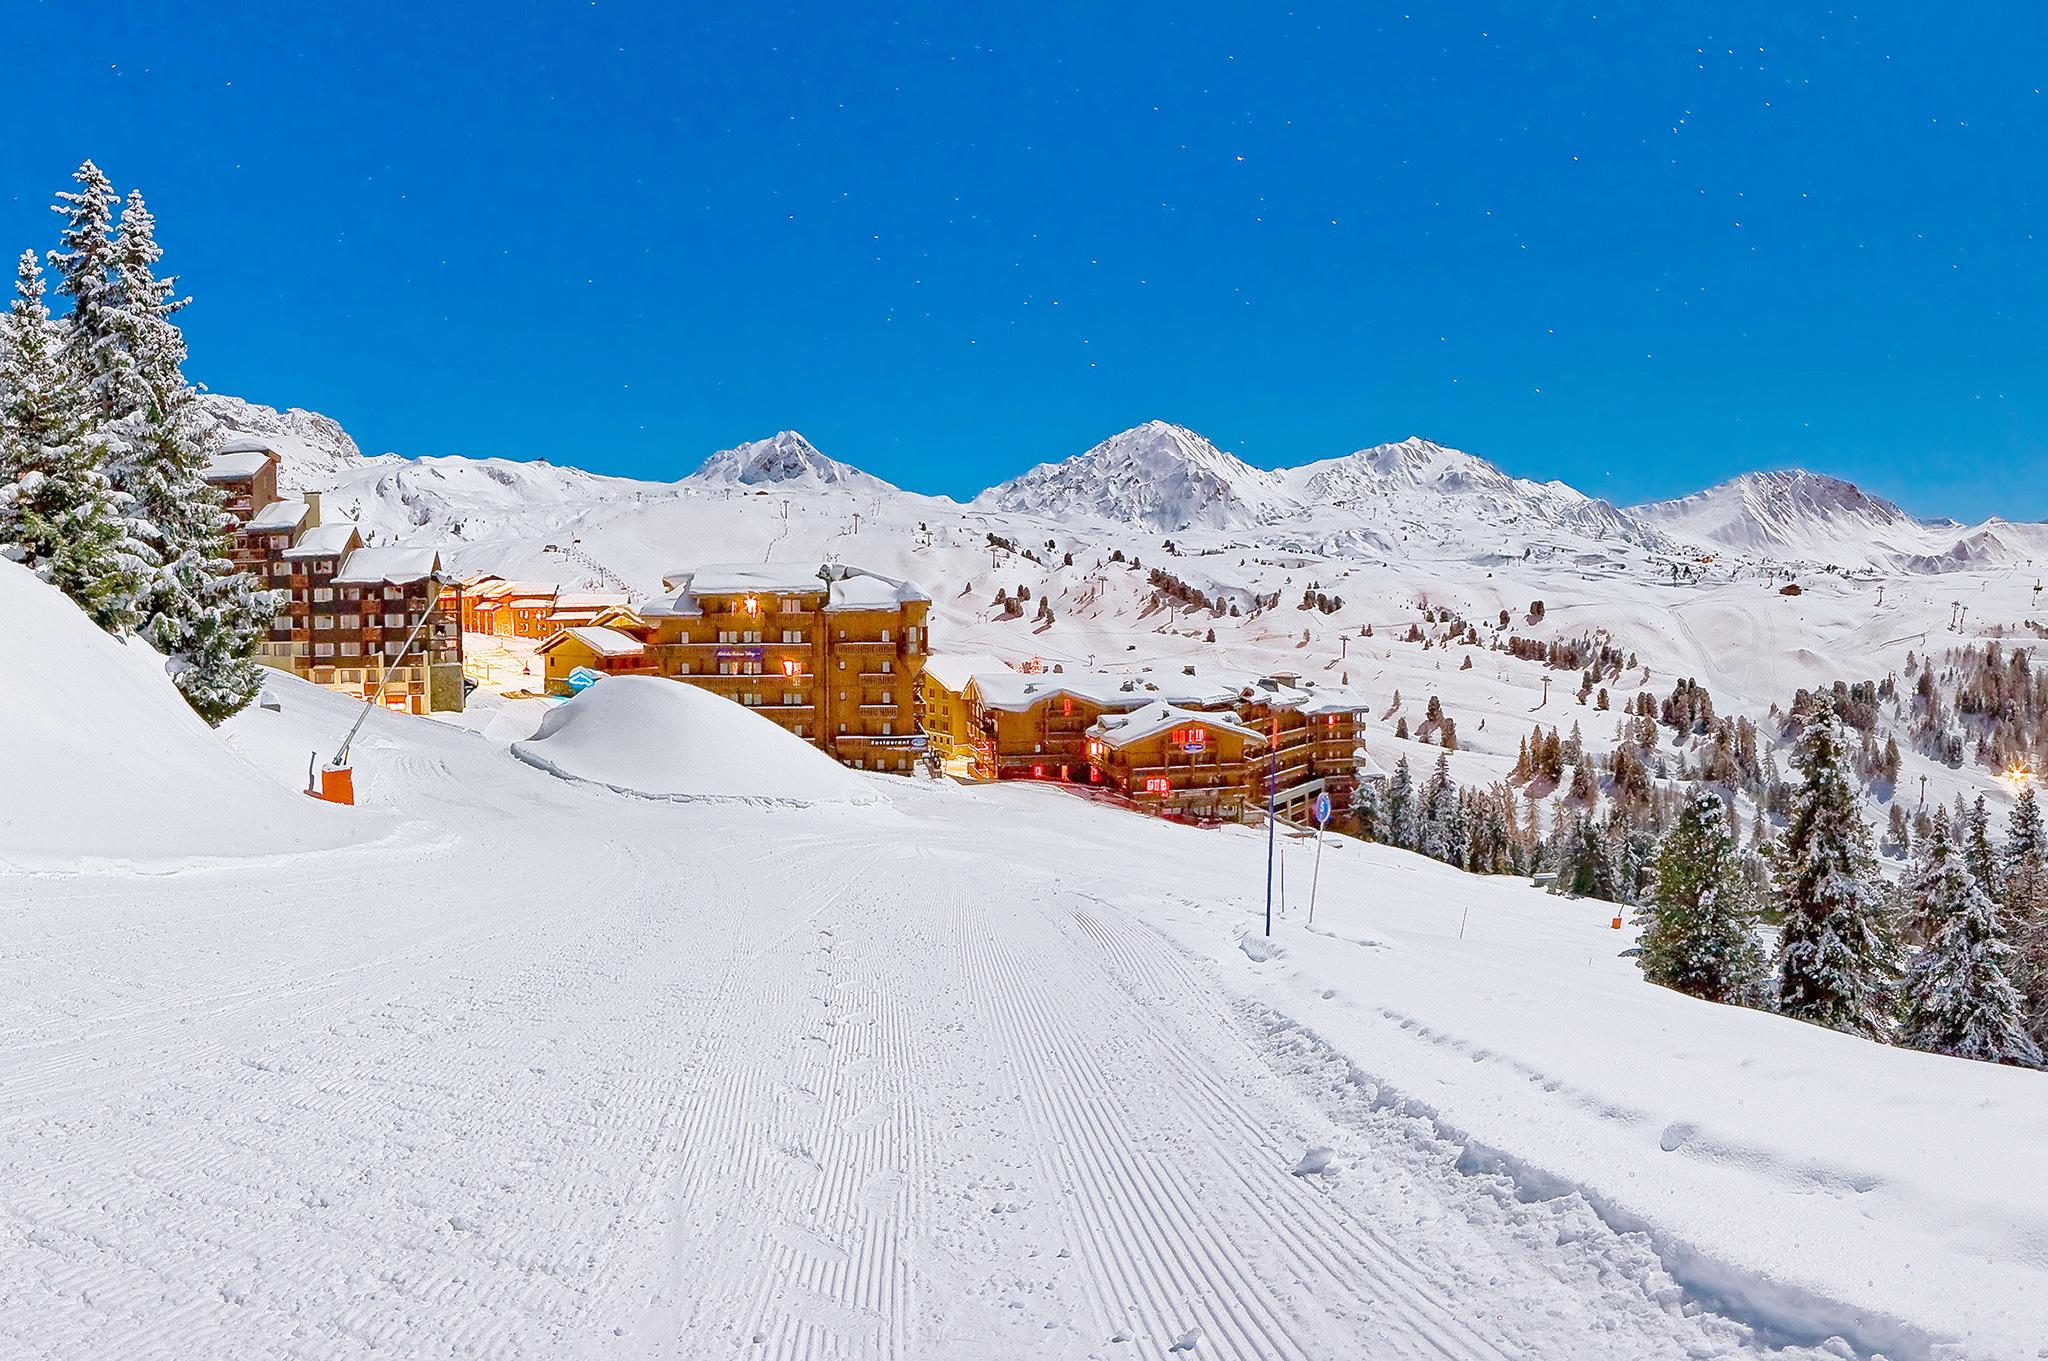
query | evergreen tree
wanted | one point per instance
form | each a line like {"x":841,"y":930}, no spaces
{"x":1431,"y":829}
{"x":2024,"y":896}
{"x":1699,"y":927}
{"x":56,"y":506}
{"x":199,"y":608}
{"x":1369,"y":809}
{"x":1977,"y":851}
{"x":86,"y":275}
{"x":1836,"y":953}
{"x":1958,"y":998}
{"x":1401,"y":807}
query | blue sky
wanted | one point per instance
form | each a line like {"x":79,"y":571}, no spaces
{"x":1640,"y":252}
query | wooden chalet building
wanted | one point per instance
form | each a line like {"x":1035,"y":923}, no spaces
{"x":348,"y":610}
{"x":1180,"y":763}
{"x":613,"y":643}
{"x":1312,"y":741}
{"x":831,"y":653}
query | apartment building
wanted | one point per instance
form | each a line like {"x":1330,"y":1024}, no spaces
{"x":1186,"y":764}
{"x":349,"y":611}
{"x":831,"y":653}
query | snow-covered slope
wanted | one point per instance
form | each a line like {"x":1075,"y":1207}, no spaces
{"x":788,"y":461}
{"x":1161,"y":476}
{"x":977,"y":1073}
{"x":641,"y":735}
{"x":104,"y":762}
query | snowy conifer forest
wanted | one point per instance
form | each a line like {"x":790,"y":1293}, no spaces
{"x":1677,"y":985}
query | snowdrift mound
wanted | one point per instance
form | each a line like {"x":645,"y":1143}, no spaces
{"x":666,"y":740}
{"x":105,"y":762}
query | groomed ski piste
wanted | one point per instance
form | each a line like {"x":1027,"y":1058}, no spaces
{"x":499,"y":1063}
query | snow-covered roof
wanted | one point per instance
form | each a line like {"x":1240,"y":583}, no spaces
{"x":861,"y":590}
{"x":238,"y":465}
{"x":323,"y":541}
{"x":603,"y":641}
{"x":681,"y":605}
{"x":954,"y":669}
{"x":852,"y":588}
{"x":1018,"y":692}
{"x":1281,"y":693}
{"x":1120,"y":730}
{"x":279,"y":517}
{"x":589,"y":600}
{"x":746,"y":578}
{"x":245,"y":444}
{"x":1365,"y":767}
{"x":392,"y":563}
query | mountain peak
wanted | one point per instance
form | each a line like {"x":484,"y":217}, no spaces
{"x":786,"y":458}
{"x":1785,"y":511}
{"x":1158,"y":474}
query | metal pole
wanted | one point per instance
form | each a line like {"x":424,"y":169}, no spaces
{"x":1272,"y":790}
{"x":1317,"y":876}
{"x":384,"y":677}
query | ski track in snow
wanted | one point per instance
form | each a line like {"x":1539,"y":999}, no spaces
{"x":595,"y":1077}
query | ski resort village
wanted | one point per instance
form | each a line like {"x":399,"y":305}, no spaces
{"x":1339,"y":903}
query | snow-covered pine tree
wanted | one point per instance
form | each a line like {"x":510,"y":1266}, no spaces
{"x":1432,"y":834}
{"x":1369,"y":809}
{"x":86,"y":275}
{"x":199,"y":608}
{"x":1699,"y":926}
{"x":1401,"y":807}
{"x":57,"y":513}
{"x":1977,"y":849}
{"x":1837,"y":955}
{"x":2023,"y":896}
{"x":1958,"y":997}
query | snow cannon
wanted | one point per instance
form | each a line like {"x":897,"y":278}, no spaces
{"x":338,"y":785}
{"x":333,"y":784}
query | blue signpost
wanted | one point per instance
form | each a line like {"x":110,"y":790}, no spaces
{"x":1322,"y":817}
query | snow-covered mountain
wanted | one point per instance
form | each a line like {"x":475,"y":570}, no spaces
{"x":1417,"y":475}
{"x":786,"y":460}
{"x":1161,"y":476}
{"x":1781,"y":513}
{"x":313,"y":450}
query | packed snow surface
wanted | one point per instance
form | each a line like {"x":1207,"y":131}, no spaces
{"x":970,"y":1073}
{"x":646,"y":735}
{"x":103,"y":761}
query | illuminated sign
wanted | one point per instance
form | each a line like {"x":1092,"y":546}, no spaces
{"x":739,"y":654}
{"x":1155,"y":786}
{"x":753,"y":605}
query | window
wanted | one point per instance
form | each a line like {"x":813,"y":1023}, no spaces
{"x":280,"y":569}
{"x":280,"y":541}
{"x":792,"y":636}
{"x":323,"y":675}
{"x":350,"y":621}
{"x":799,"y":730}
{"x":682,"y":669}
{"x":842,"y":727}
{"x":888,"y":697}
{"x":393,"y":593}
{"x":842,"y":665}
{"x":753,"y":637}
{"x":885,"y":635}
{"x":351,"y":678}
{"x":323,"y":649}
{"x":888,"y":666}
{"x":791,"y":698}
{"x":352,"y":593}
{"x":792,"y":607}
{"x":394,"y":621}
{"x":323,"y":621}
{"x":910,"y":635}
{"x":885,"y":730}
{"x":326,"y":565}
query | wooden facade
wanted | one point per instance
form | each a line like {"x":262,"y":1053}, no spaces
{"x":1180,"y":763}
{"x":832,"y":654}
